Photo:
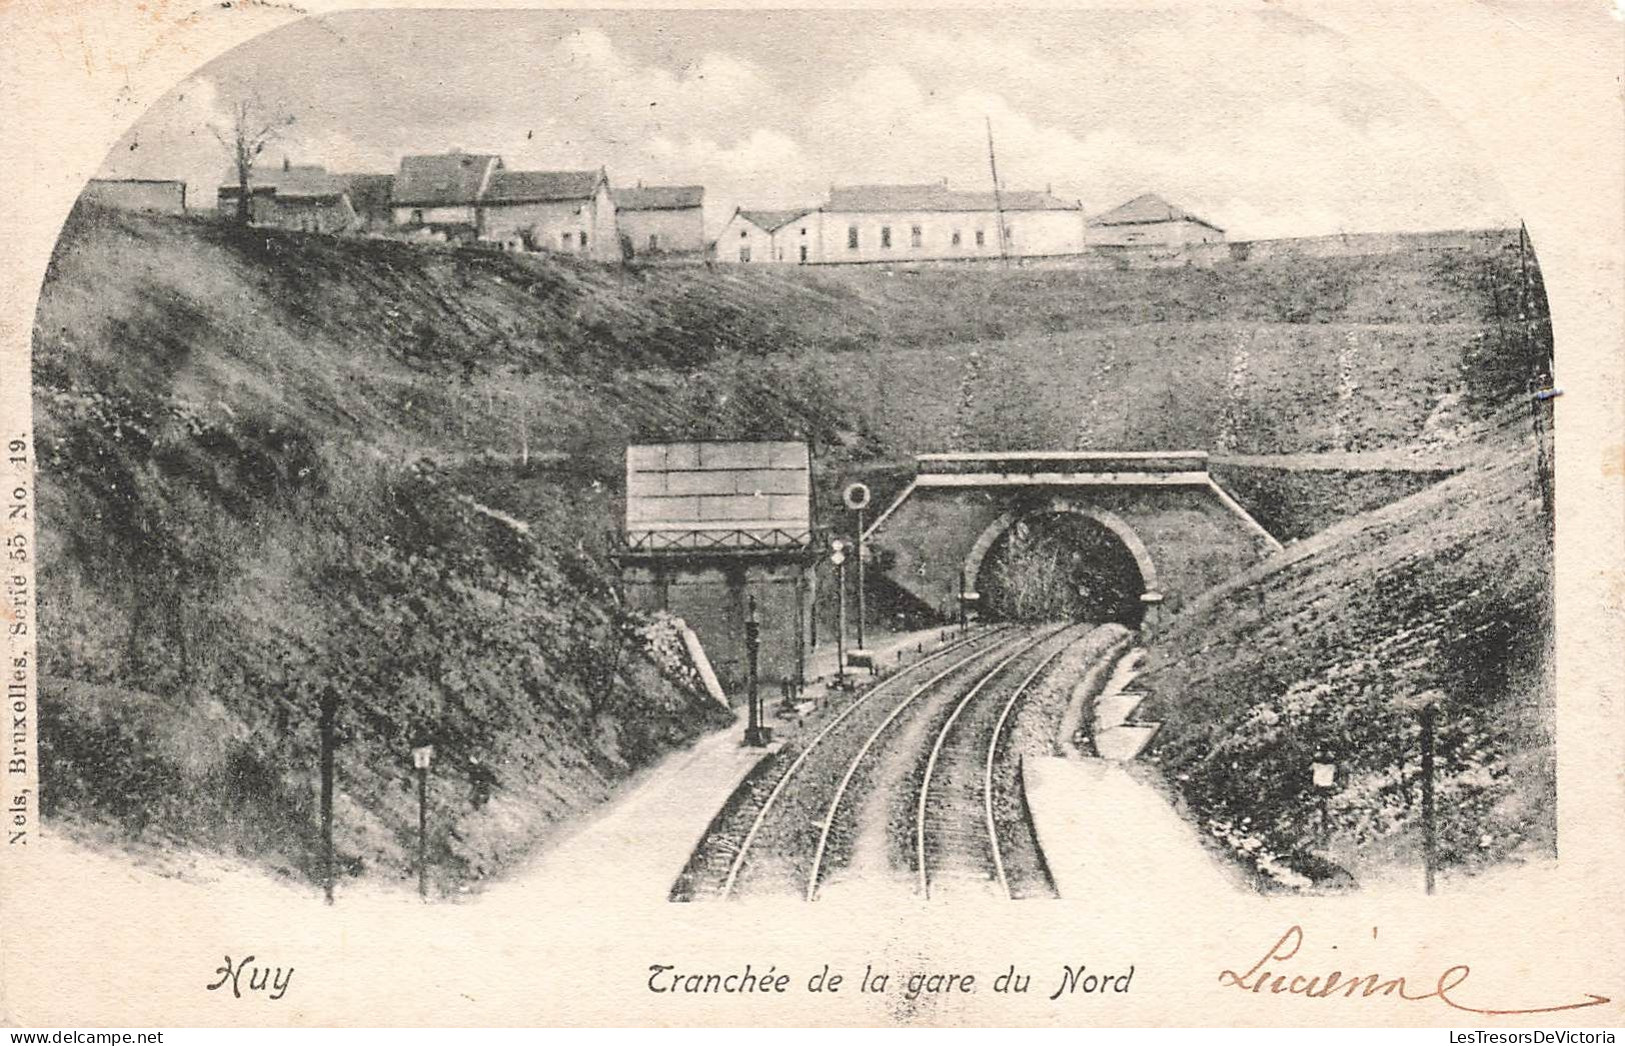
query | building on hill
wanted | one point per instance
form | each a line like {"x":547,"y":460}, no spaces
{"x":473,"y":197}
{"x":568,"y":211}
{"x":759,"y":237}
{"x":293,"y":196}
{"x":441,"y":192}
{"x":661,"y":219}
{"x":1150,"y":221}
{"x":153,"y":195}
{"x":870,"y":223}
{"x":900,"y":223}
{"x":370,"y":196}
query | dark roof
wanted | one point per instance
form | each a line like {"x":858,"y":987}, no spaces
{"x":444,"y":179}
{"x":369,"y":193}
{"x":542,"y":186}
{"x":772,"y":221}
{"x":1147,"y":209}
{"x":309,"y":181}
{"x":659,"y":197}
{"x":139,"y":181}
{"x":937,"y":197}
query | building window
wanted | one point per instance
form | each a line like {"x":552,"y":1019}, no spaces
{"x":583,"y":241}
{"x":914,"y":236}
{"x":743,"y":233}
{"x":654,"y":242}
{"x":1009,"y":234}
{"x":851,"y":237}
{"x":885,"y":235}
{"x":981,"y":238}
{"x":803,"y":230}
{"x":744,"y":254}
{"x":956,"y":237}
{"x":417,"y":217}
{"x":803,"y":254}
{"x":569,"y":240}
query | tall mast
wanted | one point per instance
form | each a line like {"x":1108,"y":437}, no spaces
{"x":998,"y":195}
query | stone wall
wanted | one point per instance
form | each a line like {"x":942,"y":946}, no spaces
{"x":1191,"y":539}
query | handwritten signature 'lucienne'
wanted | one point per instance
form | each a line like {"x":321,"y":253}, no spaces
{"x":1261,"y":978}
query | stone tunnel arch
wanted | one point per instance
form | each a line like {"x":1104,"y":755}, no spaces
{"x":1110,"y":521}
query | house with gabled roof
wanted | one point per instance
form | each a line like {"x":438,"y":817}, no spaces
{"x":442,"y":192}
{"x":661,"y":220}
{"x":755,"y":237}
{"x":902,"y":223}
{"x":569,"y":211}
{"x":879,"y":223}
{"x":1148,"y":220}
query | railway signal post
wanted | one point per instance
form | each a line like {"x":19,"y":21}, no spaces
{"x":856,"y":497}
{"x":837,"y":556}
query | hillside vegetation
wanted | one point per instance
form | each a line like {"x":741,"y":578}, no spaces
{"x":1337,"y":642}
{"x":276,"y":462}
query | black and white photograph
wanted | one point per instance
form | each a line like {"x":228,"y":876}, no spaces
{"x":803,"y":466}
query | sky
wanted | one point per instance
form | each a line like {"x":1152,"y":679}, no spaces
{"x":1263,"y":123}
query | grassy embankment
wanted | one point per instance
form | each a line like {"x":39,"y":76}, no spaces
{"x":266,"y":459}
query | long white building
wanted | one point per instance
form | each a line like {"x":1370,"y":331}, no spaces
{"x":890,"y":223}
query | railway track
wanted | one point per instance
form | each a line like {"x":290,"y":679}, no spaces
{"x":768,"y":820}
{"x":968,"y":799}
{"x":906,"y":785}
{"x":1005,"y":653}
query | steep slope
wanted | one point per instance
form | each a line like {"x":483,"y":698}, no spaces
{"x":1336,"y":643}
{"x":274,"y":463}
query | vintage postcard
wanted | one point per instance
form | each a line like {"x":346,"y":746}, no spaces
{"x":839,"y":516}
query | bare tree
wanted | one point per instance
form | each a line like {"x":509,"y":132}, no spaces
{"x":252,"y":129}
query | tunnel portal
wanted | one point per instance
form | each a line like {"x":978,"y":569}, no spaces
{"x":1060,"y":566}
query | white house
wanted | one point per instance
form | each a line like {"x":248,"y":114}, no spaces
{"x":893,"y":223}
{"x":569,"y":211}
{"x":876,"y":223}
{"x":1150,"y":221}
{"x":765,"y":237}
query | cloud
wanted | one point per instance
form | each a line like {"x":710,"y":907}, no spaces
{"x":1264,"y":123}
{"x":888,"y":126}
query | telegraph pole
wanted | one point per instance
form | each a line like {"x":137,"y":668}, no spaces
{"x":325,"y":724}
{"x":998,"y":194}
{"x":1430,"y":840}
